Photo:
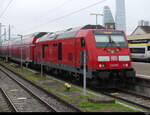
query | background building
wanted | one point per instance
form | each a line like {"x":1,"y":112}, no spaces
{"x":120,"y":15}
{"x":142,"y":31}
{"x":108,"y":20}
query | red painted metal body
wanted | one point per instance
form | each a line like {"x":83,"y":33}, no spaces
{"x":64,"y":51}
{"x":71,"y":52}
{"x":26,"y":43}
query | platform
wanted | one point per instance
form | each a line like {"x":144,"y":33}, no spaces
{"x":142,"y":69}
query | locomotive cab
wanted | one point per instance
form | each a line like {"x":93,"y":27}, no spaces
{"x":111,"y":58}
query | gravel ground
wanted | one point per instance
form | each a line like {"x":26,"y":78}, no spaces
{"x":22,"y":99}
{"x":72,"y":95}
{"x":59,"y":106}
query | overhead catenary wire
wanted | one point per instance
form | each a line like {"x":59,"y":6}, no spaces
{"x":9,"y":3}
{"x":69,"y":14}
{"x":55,"y":9}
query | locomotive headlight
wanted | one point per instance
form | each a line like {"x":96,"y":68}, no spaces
{"x":103,"y":58}
{"x":124,"y":58}
{"x":125,"y":65}
{"x":102,"y":65}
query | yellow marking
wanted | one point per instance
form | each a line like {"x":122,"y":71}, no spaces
{"x":141,"y":44}
{"x":22,"y":98}
{"x":14,"y":90}
{"x":107,"y":32}
{"x":115,"y":94}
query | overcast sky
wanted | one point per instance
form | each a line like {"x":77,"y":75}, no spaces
{"x":29,"y":16}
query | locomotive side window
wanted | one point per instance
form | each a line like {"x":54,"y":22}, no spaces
{"x":43,"y":50}
{"x":82,"y":42}
{"x":59,"y":51}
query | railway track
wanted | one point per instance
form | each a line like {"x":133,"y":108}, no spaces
{"x":48,"y":98}
{"x":135,"y":99}
{"x":129,"y":97}
{"x":6,"y":103}
{"x":23,"y":99}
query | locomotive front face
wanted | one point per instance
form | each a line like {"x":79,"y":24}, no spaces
{"x":112,"y":50}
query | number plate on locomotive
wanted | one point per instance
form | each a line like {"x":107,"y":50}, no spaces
{"x":114,"y":65}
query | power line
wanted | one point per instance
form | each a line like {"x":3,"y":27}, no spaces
{"x":6,"y":8}
{"x":55,"y":9}
{"x":61,"y":5}
{"x":69,"y":14}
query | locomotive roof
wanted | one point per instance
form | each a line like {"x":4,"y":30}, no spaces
{"x":69,"y":33}
{"x":28,"y":38}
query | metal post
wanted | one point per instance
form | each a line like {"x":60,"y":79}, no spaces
{"x":7,"y":46}
{"x":84,"y":73}
{"x":96,"y":19}
{"x":9,"y":32}
{"x":9,"y":37}
{"x":5,"y":34}
{"x":41,"y":65}
{"x":0,"y":31}
{"x":41,"y":69}
{"x":95,"y":14}
{"x":21,"y":50}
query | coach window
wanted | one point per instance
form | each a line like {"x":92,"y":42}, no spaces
{"x":82,"y":42}
{"x":148,"y":48}
{"x":137,"y":50}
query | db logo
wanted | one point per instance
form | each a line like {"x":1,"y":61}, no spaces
{"x":114,"y":58}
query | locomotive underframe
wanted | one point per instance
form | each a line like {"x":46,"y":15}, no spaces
{"x":92,"y":74}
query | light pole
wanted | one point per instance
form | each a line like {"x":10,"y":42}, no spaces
{"x":96,"y":14}
{"x":1,"y":30}
{"x":21,"y":49}
{"x":84,"y":72}
{"x":9,"y":35}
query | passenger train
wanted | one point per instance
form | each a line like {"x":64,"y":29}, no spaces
{"x":140,"y":49}
{"x":108,"y":56}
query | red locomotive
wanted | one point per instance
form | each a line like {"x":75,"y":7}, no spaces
{"x":107,"y":53}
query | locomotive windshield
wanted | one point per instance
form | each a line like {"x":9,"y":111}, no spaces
{"x":110,"y":40}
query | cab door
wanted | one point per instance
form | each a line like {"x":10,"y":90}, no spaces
{"x":80,"y":47}
{"x":54,"y":56}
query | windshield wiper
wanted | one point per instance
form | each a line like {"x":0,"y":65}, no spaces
{"x":113,"y":42}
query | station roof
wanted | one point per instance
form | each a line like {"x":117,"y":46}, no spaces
{"x":141,"y":32}
{"x":139,"y":37}
{"x":146,"y":28}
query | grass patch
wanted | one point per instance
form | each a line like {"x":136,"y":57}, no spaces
{"x":89,"y":106}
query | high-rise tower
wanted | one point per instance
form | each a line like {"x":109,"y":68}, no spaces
{"x":120,"y":15}
{"x":108,"y":20}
